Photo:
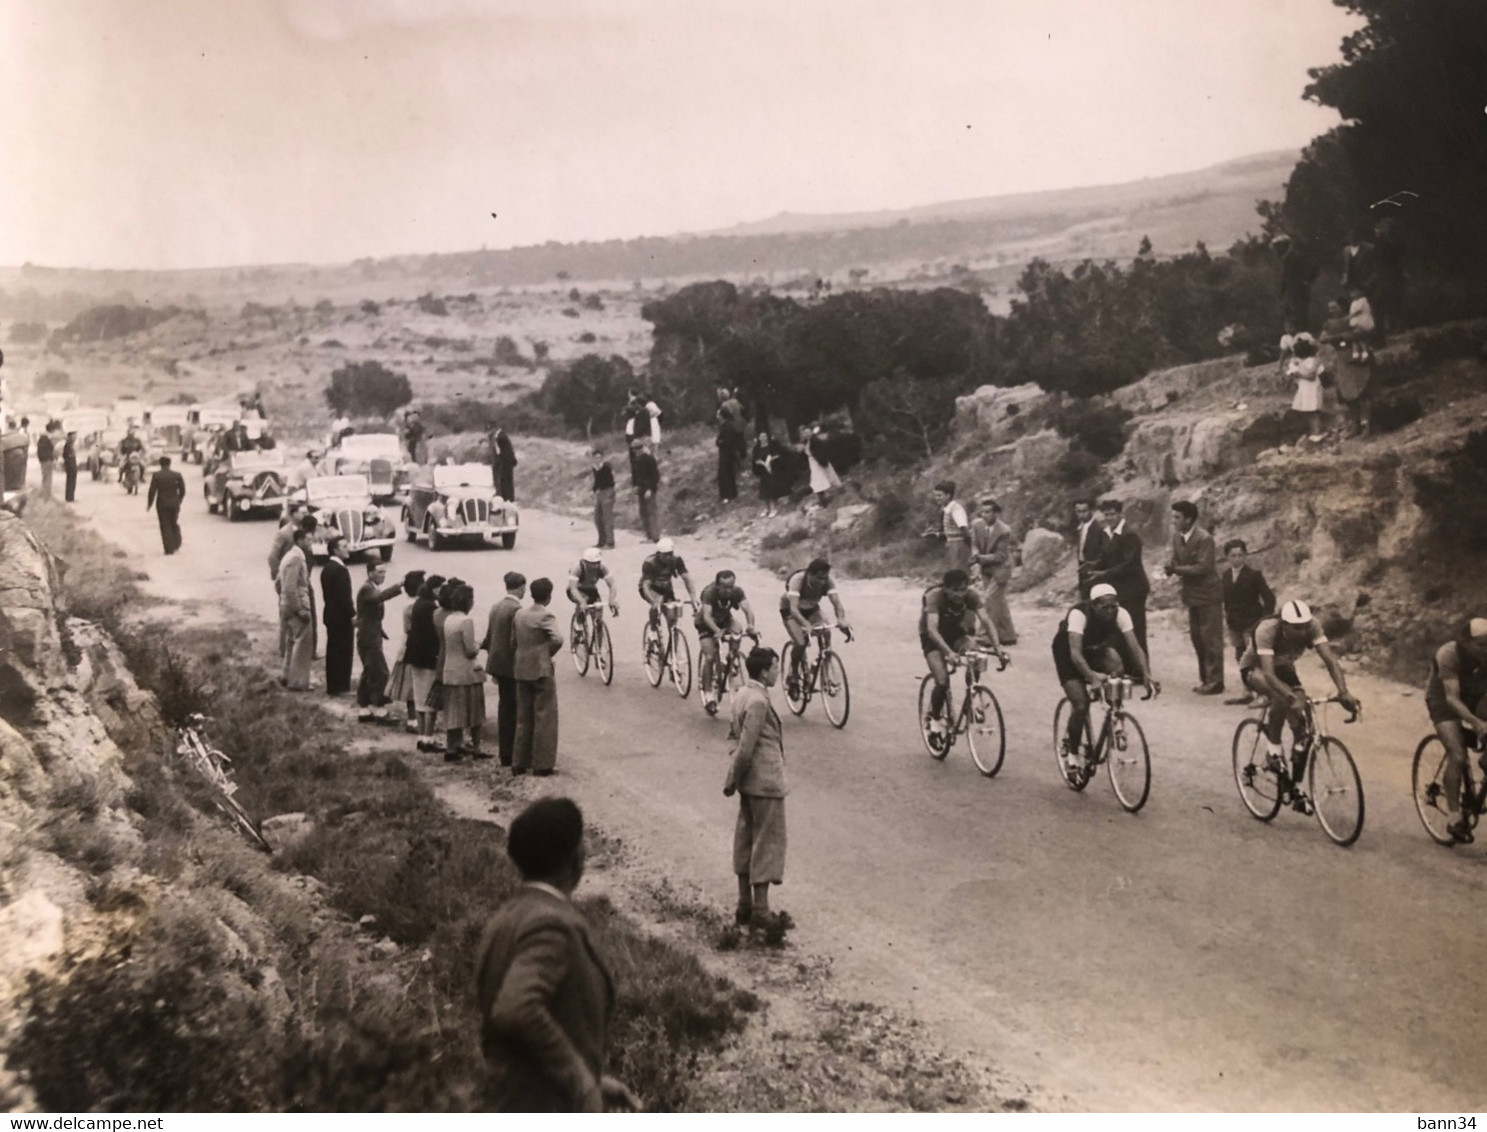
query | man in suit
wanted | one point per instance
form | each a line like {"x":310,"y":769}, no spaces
{"x":1247,"y":600}
{"x":1089,"y":543}
{"x":1120,"y":566}
{"x":371,"y":600}
{"x":534,"y":632}
{"x":545,"y":995}
{"x":69,"y":467}
{"x":338,"y":616}
{"x":46,"y":457}
{"x":500,"y":661}
{"x":757,"y":774}
{"x":167,"y":493}
{"x":297,"y":612}
{"x":1195,"y":562}
{"x":646,"y":474}
{"x":992,"y":552}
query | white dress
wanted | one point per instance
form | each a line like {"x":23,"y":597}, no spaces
{"x":1307,"y":373}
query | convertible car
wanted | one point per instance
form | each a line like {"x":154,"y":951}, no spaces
{"x":245,"y":482}
{"x":456,"y":503}
{"x":379,"y":457}
{"x":344,"y":506}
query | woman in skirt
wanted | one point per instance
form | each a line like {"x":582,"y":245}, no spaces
{"x":464,"y":681}
{"x":399,"y":681}
{"x":1305,"y":369}
{"x":421,"y":657}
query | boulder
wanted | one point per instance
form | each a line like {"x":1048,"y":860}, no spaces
{"x":1042,"y":551}
{"x":1158,"y":390}
{"x":847,"y":517}
{"x":285,"y":830}
{"x":1035,"y":456}
{"x":992,"y":412}
{"x":29,"y":579}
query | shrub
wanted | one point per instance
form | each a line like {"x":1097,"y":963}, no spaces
{"x":367,"y":388}
{"x":1076,"y":466}
{"x":54,"y":381}
{"x":1391,"y":414}
{"x":507,"y":353}
{"x":25,"y":333}
{"x":428,"y":304}
{"x":368,"y":306}
{"x":1099,"y":428}
{"x":1449,"y":342}
{"x":592,"y":303}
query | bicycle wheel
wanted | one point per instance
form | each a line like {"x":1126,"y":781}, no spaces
{"x":836,"y":696}
{"x":1428,"y":777}
{"x":1258,"y":782}
{"x":578,"y":642}
{"x":654,"y":653}
{"x":604,"y":653}
{"x":984,"y":732}
{"x":1336,"y":791}
{"x":1128,"y":762}
{"x":797,"y":680}
{"x":239,"y":817}
{"x":1073,"y":779}
{"x":938,"y":745}
{"x":680,"y":663}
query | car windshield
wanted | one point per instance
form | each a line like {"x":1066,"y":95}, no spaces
{"x":336,"y":487}
{"x":462,"y":475}
{"x":258,"y":461}
{"x":364,"y":446}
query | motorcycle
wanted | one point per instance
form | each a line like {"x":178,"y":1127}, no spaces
{"x":133,"y":472}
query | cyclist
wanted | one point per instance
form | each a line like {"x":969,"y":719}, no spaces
{"x":1096,"y":641}
{"x":584,"y":579}
{"x":720,"y":599}
{"x":657,"y":573}
{"x":947,"y":625}
{"x":1268,"y":667}
{"x":800,"y":610}
{"x":1456,"y":697}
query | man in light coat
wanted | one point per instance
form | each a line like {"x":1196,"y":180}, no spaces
{"x":297,"y":613}
{"x":500,"y":662}
{"x":1195,"y":562}
{"x":993,"y":550}
{"x":757,"y":775}
{"x":534,"y":632}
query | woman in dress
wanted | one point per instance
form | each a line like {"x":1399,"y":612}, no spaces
{"x":464,"y":681}
{"x":421,"y":656}
{"x":400,"y":680}
{"x":1305,"y":369}
{"x":770,"y":468}
{"x":818,"y":451}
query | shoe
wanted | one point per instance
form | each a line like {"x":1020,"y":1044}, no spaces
{"x":506,"y":762}
{"x":410,"y":727}
{"x":482,"y":756}
{"x":369,"y":717}
{"x":429,"y":748}
{"x":1460,"y":832}
{"x":516,"y":770}
{"x":1008,"y":642}
{"x":743,"y":915}
{"x":934,"y":731}
{"x":710,"y":706}
{"x":1301,"y":803}
{"x":1241,"y":701}
{"x":548,"y":773}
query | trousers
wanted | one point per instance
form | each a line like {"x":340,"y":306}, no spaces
{"x":506,"y":709}
{"x":339,"y":639}
{"x":371,"y":689}
{"x":650,"y":519}
{"x":1206,"y":630}
{"x":170,"y":527}
{"x":536,"y":745}
{"x":604,"y":516}
{"x":994,"y":594}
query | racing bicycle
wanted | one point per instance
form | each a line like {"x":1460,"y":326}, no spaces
{"x":978,"y":718}
{"x":727,"y":674}
{"x":214,"y":768}
{"x":825,"y":674}
{"x":1119,"y":743}
{"x":1429,"y":782}
{"x":668,"y":654}
{"x":588,"y":640}
{"x":1320,"y":778}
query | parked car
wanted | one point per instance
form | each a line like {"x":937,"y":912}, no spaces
{"x":344,"y":506}
{"x":379,"y":457}
{"x":246,"y":482}
{"x":456,"y":503}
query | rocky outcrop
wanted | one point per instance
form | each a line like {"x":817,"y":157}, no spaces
{"x":1042,"y":553}
{"x":992,"y":413}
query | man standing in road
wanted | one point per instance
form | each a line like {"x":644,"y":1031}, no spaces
{"x":167,"y":493}
{"x":546,"y":998}
{"x":69,"y":467}
{"x":955,"y":527}
{"x":46,"y":459}
{"x":413,"y":432}
{"x":647,"y":474}
{"x":603,"y":501}
{"x":992,"y":553}
{"x":1120,"y":566}
{"x":500,"y":662}
{"x":757,"y":774}
{"x":534,"y":632}
{"x":371,"y":600}
{"x":1089,"y":543}
{"x":339,"y":617}
{"x":1195,"y":562}
{"x":297,"y":612}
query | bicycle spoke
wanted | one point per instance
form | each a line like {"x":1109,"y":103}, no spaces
{"x":604,"y":654}
{"x":985,"y":735}
{"x":1255,"y":774}
{"x":937,"y":742}
{"x":1336,"y":791}
{"x":836,"y":697}
{"x":654,"y":654}
{"x":1127,"y":761}
{"x":1075,"y":777}
{"x":680,"y":663}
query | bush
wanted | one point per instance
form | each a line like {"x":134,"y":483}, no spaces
{"x":1449,"y":343}
{"x":1097,"y":427}
{"x":428,"y":304}
{"x":25,"y":333}
{"x":592,"y":303}
{"x":507,"y":353}
{"x":1391,"y":414}
{"x":1076,"y":466}
{"x":367,"y":389}
{"x":54,"y":381}
{"x":368,"y":306}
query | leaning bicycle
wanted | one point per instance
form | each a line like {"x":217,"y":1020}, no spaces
{"x":214,"y":768}
{"x":978,"y":716}
{"x":1428,"y":780}
{"x":588,"y":641}
{"x":1319,"y":778}
{"x":1118,"y":743}
{"x":824,"y":674}
{"x":727,"y":673}
{"x":668,"y":653}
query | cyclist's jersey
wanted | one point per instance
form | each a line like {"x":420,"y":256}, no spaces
{"x":1266,"y":639}
{"x":954,"y":615}
{"x":658,"y":575}
{"x":810,"y":588}
{"x":1097,"y":632}
{"x":1448,"y":662}
{"x":720,"y":603}
{"x":586,"y":576}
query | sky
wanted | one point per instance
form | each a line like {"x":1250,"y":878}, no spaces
{"x":194,"y":133}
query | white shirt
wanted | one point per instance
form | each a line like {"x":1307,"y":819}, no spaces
{"x":1077,"y":622}
{"x":543,"y":886}
{"x":953,"y":518}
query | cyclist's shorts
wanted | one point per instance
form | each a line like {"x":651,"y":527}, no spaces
{"x":706,"y":634}
{"x":812,"y":616}
{"x":1285,"y":673}
{"x":1440,"y":711}
{"x":928,"y":646}
{"x":1108,"y":659}
{"x":590,"y":597}
{"x":667,"y":592}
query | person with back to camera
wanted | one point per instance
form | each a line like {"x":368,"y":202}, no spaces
{"x":535,"y":634}
{"x":756,"y":773}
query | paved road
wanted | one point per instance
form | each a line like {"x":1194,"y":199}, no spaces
{"x":1188,"y":957}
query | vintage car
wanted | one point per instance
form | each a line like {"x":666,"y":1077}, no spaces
{"x":246,"y":482}
{"x":456,"y":503}
{"x":103,"y":453}
{"x":170,"y":428}
{"x":379,"y":457}
{"x":344,"y":506}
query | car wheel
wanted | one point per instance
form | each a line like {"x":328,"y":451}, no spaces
{"x":409,"y":530}
{"x":435,"y":542}
{"x":232,"y":506}
{"x":386,"y":552}
{"x":508,"y":540}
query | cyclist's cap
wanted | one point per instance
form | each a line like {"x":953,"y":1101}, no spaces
{"x":1104,"y":589}
{"x":1295,"y":613}
{"x":665,"y":546}
{"x":1477,"y":628}
{"x":818,"y":566}
{"x":592,"y":554}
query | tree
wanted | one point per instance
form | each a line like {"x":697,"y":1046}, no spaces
{"x":589,"y":393}
{"x":26,"y":333}
{"x":367,"y":389}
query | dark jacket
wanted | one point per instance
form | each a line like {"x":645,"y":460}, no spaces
{"x":1247,"y":599}
{"x":69,"y":456}
{"x":167,"y":491}
{"x":500,"y":643}
{"x":1093,"y":548}
{"x":46,"y":450}
{"x":335,"y":589}
{"x":1195,"y":562}
{"x":647,"y":473}
{"x":1120,"y":566}
{"x":370,"y":606}
{"x":423,"y":638}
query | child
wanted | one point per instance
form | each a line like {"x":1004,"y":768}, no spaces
{"x":1351,"y":376}
{"x":1360,"y":322}
{"x":1305,"y":369}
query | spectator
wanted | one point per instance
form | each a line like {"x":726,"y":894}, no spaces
{"x":757,"y":774}
{"x":464,"y":682}
{"x":413,"y":436}
{"x":647,"y":476}
{"x":1090,"y":539}
{"x":955,"y":527}
{"x":536,"y":637}
{"x":817,"y":449}
{"x":69,"y":467}
{"x":545,"y":997}
{"x":167,"y":493}
{"x":422,"y":656}
{"x":1247,"y":600}
{"x":371,"y":601}
{"x":603,"y":487}
{"x":642,"y":421}
{"x":1305,"y":369}
{"x":772,"y":467}
{"x":1120,"y":566}
{"x":1350,"y":377}
{"x":297,"y":612}
{"x":503,"y":464}
{"x":500,"y":662}
{"x":400,"y":682}
{"x":1387,"y":296}
{"x":46,"y":459}
{"x":1194,"y":562}
{"x":731,"y":442}
{"x":338,"y":616}
{"x":1297,"y":272}
{"x":993,"y":551}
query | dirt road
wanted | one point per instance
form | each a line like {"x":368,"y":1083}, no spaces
{"x":1188,"y":957}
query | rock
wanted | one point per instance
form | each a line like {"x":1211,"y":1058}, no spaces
{"x":30,"y":934}
{"x":846,"y":517}
{"x":992,"y":412}
{"x":284,"y":830}
{"x":1042,"y":551}
{"x":1160,"y":389}
{"x":1035,"y":456}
